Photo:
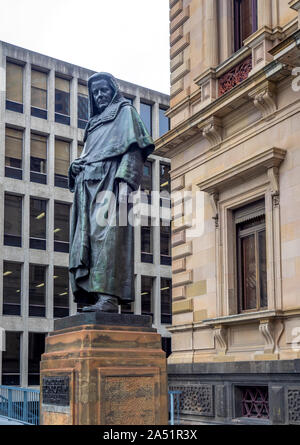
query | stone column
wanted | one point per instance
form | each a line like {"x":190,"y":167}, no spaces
{"x":226,"y":29}
{"x":212,"y":34}
{"x":264,"y":11}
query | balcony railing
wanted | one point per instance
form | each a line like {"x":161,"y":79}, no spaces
{"x":20,"y":404}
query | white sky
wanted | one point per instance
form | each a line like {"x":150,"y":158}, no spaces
{"x":128,"y":38}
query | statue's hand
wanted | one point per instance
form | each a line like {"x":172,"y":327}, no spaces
{"x":76,"y":167}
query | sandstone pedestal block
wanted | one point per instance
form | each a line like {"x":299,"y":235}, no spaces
{"x":103,"y":369}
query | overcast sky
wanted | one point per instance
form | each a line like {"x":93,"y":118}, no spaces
{"x":128,"y":38}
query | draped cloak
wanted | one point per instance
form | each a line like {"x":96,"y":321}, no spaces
{"x":116,"y":147}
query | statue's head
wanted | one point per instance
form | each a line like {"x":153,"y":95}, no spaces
{"x":103,"y":89}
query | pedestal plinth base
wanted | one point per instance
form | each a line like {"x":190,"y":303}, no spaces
{"x":103,"y":369}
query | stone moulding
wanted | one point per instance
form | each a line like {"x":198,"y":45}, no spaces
{"x":259,"y":162}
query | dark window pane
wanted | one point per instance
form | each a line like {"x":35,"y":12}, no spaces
{"x":245,"y":20}
{"x":146,"y":182}
{"x":146,"y":116}
{"x":61,"y":222}
{"x":61,"y":291}
{"x":11,"y":288}
{"x":62,"y":102}
{"x":14,"y":106}
{"x":263,"y":269}
{"x":164,"y":122}
{"x":249,"y":272}
{"x":166,"y":345}
{"x":62,"y":163}
{"x":166,"y":300}
{"x":165,"y":239}
{"x":37,"y":112}
{"x":38,"y":223}
{"x":11,"y":359}
{"x":36,"y":348}
{"x":126,"y":308}
{"x":146,"y":294}
{"x":12,"y":220}
{"x":83,"y":107}
{"x":37,"y":289}
{"x":146,"y":237}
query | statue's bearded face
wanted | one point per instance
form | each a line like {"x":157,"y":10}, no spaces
{"x":102,"y":93}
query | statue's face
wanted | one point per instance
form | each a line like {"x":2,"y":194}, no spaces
{"x":102,"y":93}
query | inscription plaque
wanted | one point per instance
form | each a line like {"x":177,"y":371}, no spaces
{"x":56,"y":391}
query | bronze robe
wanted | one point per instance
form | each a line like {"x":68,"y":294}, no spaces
{"x":102,"y":256}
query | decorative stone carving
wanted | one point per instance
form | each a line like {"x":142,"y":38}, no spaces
{"x":195,"y":399}
{"x":294,"y":405}
{"x":266,"y":329}
{"x":264,"y":98}
{"x":212,"y":131}
{"x":235,"y":76}
{"x":221,"y":340}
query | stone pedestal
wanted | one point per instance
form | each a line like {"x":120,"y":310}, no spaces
{"x":103,"y":369}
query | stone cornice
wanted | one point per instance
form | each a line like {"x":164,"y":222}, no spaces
{"x":262,"y":161}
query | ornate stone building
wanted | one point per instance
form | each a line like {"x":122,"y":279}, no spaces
{"x":234,"y":150}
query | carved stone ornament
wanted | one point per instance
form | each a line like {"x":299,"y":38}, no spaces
{"x":264,"y":99}
{"x":220,"y":334}
{"x":235,"y":76}
{"x":267,"y":330}
{"x":212,"y":131}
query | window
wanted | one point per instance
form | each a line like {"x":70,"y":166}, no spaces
{"x":38,"y":218}
{"x":12,"y":220}
{"x":146,"y":116}
{"x":251,"y":256}
{"x":38,"y":94}
{"x":61,"y":292}
{"x":166,"y":300}
{"x":245,"y":20}
{"x":164,"y":122}
{"x":82,"y":105}
{"x":62,"y":163}
{"x":126,"y":308}
{"x":13,"y":153}
{"x":37,"y":290}
{"x":36,"y":347}
{"x":146,"y":182}
{"x":146,"y":294}
{"x":62,"y":101}
{"x":11,"y":359}
{"x":252,"y":402}
{"x":14,"y":87}
{"x":11,"y":288}
{"x":165,"y":243}
{"x":38,"y":159}
{"x":146,"y":241}
{"x":61,"y":227}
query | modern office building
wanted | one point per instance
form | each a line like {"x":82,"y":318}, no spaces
{"x":234,"y":150}
{"x":43,"y":113}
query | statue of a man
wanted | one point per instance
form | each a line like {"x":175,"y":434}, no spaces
{"x":110,"y":167}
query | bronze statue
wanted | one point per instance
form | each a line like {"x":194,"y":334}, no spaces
{"x":109,"y":168}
